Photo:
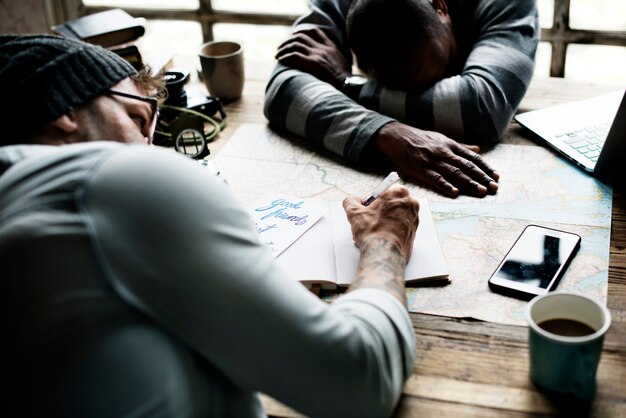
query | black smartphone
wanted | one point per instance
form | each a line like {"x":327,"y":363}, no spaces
{"x":535,"y":263}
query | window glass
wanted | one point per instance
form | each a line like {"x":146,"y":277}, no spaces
{"x":289,"y":7}
{"x":260,"y":42}
{"x":598,"y":14}
{"x":545,"y":9}
{"x":145,"y":4}
{"x":171,"y":36}
{"x":596,"y":63}
{"x":542,"y":59}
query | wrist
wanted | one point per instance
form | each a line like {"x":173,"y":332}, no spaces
{"x":352,"y":86}
{"x":381,"y":266}
{"x":386,"y":138}
{"x":386,"y":242}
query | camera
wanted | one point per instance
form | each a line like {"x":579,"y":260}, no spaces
{"x":185,"y":110}
{"x":178,"y":96}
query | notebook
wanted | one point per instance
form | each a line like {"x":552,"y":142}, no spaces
{"x":106,"y":28}
{"x":311,"y":240}
{"x":590,"y":132}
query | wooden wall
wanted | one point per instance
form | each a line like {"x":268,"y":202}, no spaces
{"x":23,"y":16}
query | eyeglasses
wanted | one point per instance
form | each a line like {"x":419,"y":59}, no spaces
{"x":150,"y":100}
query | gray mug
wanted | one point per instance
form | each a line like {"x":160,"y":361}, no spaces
{"x":222,"y":69}
{"x":566,"y":333}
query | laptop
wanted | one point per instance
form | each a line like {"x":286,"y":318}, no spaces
{"x":590,"y":132}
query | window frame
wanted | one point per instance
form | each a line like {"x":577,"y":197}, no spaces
{"x":62,"y":10}
{"x":559,"y":36}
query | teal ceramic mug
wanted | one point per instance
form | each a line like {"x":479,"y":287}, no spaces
{"x":566,"y":333}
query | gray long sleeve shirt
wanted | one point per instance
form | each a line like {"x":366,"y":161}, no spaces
{"x":135,"y":285}
{"x":474,"y":106}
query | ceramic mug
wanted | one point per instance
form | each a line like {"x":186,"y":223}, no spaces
{"x":566,"y":333}
{"x":222,"y":69}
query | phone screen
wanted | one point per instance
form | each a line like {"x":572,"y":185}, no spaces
{"x":536,"y":260}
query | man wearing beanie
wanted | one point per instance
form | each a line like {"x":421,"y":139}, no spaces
{"x":133,"y":285}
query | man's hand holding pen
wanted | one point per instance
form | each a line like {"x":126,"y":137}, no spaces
{"x":393,"y":216}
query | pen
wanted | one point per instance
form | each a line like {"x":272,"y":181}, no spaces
{"x":384,"y":185}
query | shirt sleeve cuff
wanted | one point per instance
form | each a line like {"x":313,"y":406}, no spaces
{"x":394,"y":310}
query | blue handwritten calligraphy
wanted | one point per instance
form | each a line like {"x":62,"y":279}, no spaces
{"x":281,"y":205}
{"x":281,"y":214}
{"x":280,"y":202}
{"x":261,"y":229}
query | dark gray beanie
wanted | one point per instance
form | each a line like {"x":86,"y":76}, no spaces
{"x":45,"y":76}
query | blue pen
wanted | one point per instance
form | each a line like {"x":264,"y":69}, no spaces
{"x":380,"y":189}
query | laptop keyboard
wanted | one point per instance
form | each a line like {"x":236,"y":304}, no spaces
{"x":587,"y":141}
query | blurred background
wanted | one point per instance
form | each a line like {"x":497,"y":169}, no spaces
{"x":581,"y":39}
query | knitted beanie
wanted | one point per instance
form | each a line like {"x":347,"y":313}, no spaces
{"x":43,"y":77}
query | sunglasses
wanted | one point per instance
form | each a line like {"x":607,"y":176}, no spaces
{"x":150,"y":100}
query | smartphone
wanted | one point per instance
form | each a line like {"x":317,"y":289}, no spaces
{"x":535,"y":263}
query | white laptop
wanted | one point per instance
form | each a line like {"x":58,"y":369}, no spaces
{"x":590,"y":132}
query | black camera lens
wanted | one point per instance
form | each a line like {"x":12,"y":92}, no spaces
{"x":175,"y":81}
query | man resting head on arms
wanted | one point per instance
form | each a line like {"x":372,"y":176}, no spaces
{"x":136,"y":285}
{"x":414,"y":48}
{"x":440,"y":74}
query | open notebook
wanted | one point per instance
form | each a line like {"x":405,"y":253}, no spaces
{"x":322,"y":250}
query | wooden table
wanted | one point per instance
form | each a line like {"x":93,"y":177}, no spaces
{"x":469,"y":368}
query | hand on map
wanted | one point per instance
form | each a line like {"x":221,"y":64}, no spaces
{"x":443,"y":164}
{"x":312,"y":51}
{"x":392,"y":217}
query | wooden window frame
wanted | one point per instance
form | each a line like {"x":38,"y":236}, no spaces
{"x":560,"y":35}
{"x":206,"y":15}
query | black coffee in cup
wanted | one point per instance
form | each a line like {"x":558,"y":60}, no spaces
{"x":566,"y":327}
{"x":565,"y":337}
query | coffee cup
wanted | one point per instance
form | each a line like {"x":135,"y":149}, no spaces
{"x":566,"y":333}
{"x":222,"y":69}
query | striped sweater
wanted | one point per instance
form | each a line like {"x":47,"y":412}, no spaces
{"x":474,"y":106}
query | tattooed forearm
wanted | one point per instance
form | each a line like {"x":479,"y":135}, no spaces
{"x":382,"y":267}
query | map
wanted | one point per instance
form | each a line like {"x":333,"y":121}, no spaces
{"x":536,"y":187}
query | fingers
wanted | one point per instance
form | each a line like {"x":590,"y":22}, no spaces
{"x":466,"y":184}
{"x":478,"y":161}
{"x":298,"y":39}
{"x":438,"y":183}
{"x":296,"y":60}
{"x":352,"y":203}
{"x":469,"y":184}
{"x":475,"y":177}
{"x":394,"y":217}
{"x":313,"y":52}
{"x":394,"y":192}
{"x":292,"y":47}
{"x":468,"y":171}
{"x":455,"y":176}
{"x":436,"y":160}
{"x":295,"y":53}
{"x":316,"y":34}
{"x":310,"y":38}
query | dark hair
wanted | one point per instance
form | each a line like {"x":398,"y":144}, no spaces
{"x":386,"y":32}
